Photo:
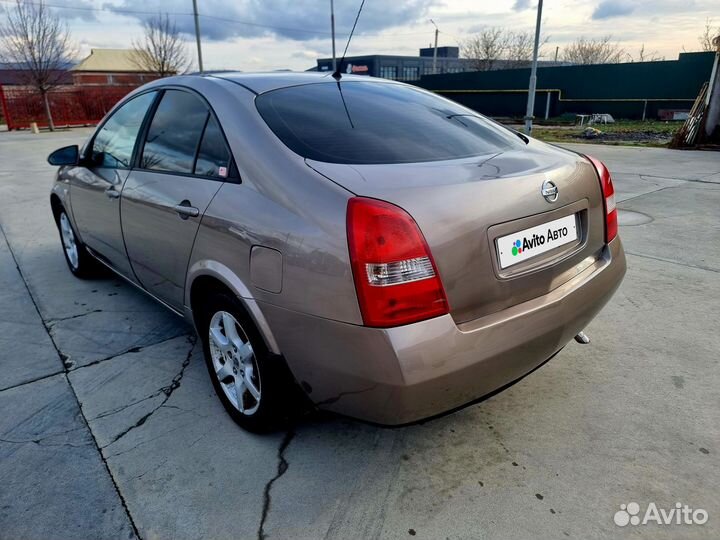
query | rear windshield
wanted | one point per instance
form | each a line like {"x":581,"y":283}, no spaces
{"x":363,"y":123}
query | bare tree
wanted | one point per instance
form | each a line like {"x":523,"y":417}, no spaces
{"x":162,"y":50}
{"x":594,"y":51}
{"x":519,"y":50}
{"x":485,"y":48}
{"x":645,"y":56}
{"x":493,"y":44}
{"x":36,"y":41}
{"x":709,"y":33}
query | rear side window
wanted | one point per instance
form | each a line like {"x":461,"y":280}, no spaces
{"x":114,"y":142}
{"x":174,"y":133}
{"x":213,"y":157}
{"x":362,"y":122}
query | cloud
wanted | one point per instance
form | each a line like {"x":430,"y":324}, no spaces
{"x":289,"y":19}
{"x":307,"y":55}
{"x":612,"y":8}
{"x":521,"y":5}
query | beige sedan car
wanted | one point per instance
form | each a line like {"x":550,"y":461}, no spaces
{"x":376,"y":248}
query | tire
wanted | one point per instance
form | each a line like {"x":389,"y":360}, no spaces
{"x":79,"y":261}
{"x":234,"y":351}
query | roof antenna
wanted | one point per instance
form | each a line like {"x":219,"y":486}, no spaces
{"x":336,"y":74}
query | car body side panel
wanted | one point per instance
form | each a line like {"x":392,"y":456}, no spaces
{"x":158,"y":239}
{"x":61,"y":189}
{"x":282,"y":204}
{"x":226,"y":276}
{"x":96,"y":210}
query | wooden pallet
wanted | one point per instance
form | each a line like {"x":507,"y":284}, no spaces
{"x":687,"y":135}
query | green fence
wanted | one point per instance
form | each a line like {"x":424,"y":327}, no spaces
{"x":631,"y":90}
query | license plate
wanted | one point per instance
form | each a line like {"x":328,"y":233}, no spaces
{"x":523,"y":245}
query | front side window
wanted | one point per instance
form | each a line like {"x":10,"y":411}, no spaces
{"x":174,"y":133}
{"x":114,"y":142}
{"x":364,"y":122}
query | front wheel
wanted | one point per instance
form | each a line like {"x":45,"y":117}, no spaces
{"x":254,"y":387}
{"x":80,"y":262}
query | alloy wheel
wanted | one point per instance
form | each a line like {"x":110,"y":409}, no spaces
{"x":234,"y":363}
{"x":68,"y":241}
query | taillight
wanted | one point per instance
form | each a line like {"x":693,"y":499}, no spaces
{"x":611,"y":220}
{"x":395,"y":275}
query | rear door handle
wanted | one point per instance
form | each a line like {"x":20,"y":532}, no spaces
{"x":112,"y":193}
{"x":186,"y":211}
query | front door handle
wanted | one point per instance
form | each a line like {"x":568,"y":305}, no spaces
{"x":112,"y":193}
{"x":186,"y":211}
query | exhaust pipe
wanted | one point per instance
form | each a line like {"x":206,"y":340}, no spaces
{"x":582,"y":338}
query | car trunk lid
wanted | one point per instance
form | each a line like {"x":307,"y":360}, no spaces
{"x":470,"y":210}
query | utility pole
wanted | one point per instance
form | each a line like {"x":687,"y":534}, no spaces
{"x":197,"y":35}
{"x":533,"y":74}
{"x":435,"y":51}
{"x":332,"y":30}
{"x":557,"y":50}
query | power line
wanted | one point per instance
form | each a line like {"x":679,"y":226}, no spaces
{"x":189,"y":14}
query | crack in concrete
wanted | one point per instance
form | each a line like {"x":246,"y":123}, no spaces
{"x":52,"y":322}
{"x":671,"y":261}
{"x":39,"y":442}
{"x":167,"y":390}
{"x":133,"y":349}
{"x":281,"y":470}
{"x":146,"y":441}
{"x":43,"y":377}
{"x":674,"y":178}
{"x":653,"y":192}
{"x":121,"y":408}
{"x":62,"y":358}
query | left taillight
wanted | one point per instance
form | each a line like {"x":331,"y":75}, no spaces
{"x":608,"y":191}
{"x":395,"y":276}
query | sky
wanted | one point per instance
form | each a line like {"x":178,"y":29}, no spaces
{"x":261,"y":35}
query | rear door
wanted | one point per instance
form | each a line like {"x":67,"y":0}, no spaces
{"x":96,"y":186}
{"x":183,"y":161}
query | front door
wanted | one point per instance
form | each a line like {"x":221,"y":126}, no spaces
{"x":97,"y":184}
{"x":183,"y":163}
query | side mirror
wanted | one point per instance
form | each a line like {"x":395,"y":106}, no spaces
{"x":69,"y":155}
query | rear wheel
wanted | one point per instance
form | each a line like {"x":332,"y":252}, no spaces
{"x":80,"y":262}
{"x":254,"y":387}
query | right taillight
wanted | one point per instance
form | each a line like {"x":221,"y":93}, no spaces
{"x":395,"y":276}
{"x":608,"y":191}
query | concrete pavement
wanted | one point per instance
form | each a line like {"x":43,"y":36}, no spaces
{"x":110,"y":427}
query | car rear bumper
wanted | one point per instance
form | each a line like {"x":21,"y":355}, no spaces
{"x":400,"y":375}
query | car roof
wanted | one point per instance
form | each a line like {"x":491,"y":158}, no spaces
{"x":265,"y":82}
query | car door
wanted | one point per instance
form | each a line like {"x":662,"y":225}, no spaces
{"x":95,"y":186}
{"x":182,"y":164}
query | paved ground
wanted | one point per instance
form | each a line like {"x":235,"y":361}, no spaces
{"x":110,"y":429}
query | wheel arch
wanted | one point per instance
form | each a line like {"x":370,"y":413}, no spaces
{"x":206,"y":276}
{"x":55,"y":206}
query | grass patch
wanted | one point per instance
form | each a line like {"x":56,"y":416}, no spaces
{"x":651,"y":133}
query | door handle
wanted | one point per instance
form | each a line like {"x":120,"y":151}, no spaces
{"x":186,"y":211}
{"x":112,"y":193}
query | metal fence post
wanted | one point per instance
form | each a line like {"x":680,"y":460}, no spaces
{"x":6,"y":112}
